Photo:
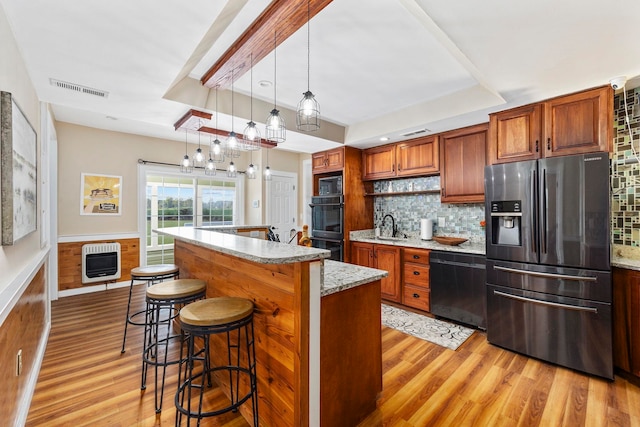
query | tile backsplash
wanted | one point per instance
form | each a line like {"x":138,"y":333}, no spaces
{"x":625,"y":171}
{"x":408,"y":209}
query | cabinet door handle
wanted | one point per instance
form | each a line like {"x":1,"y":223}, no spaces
{"x":416,"y":296}
{"x":399,"y":168}
{"x":537,"y":143}
{"x":548,"y":143}
{"x":416,"y":273}
{"x":416,"y":257}
{"x":393,"y":167}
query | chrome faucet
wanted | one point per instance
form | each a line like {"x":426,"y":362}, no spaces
{"x":394,"y":229}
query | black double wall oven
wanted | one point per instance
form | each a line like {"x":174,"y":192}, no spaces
{"x":327,"y":224}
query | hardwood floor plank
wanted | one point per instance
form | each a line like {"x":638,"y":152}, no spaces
{"x":85,"y":381}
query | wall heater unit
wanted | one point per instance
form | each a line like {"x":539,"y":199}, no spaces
{"x":100,"y":262}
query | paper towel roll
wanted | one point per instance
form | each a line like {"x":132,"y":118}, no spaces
{"x":426,"y":229}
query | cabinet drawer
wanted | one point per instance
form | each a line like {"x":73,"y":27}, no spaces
{"x":416,"y":297}
{"x":416,"y":274}
{"x":419,"y":256}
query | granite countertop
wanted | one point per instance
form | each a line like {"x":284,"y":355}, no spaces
{"x":471,"y":247}
{"x":256,"y":250}
{"x":340,"y":276}
{"x":233,"y":227}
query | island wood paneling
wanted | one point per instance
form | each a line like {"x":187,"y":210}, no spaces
{"x":22,"y":329}
{"x":350,"y":355}
{"x":280,"y":295}
{"x":70,"y":261}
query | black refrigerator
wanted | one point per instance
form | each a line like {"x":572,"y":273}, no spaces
{"x":548,"y":260}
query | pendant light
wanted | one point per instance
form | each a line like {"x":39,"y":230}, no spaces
{"x":251,"y":134}
{"x":216,"y":153}
{"x":231,"y":145}
{"x":185,"y":165}
{"x":267,"y":169}
{"x":232,"y":172}
{"x":275,"y":128}
{"x":308,"y":113}
{"x":210,"y":168}
{"x":198,"y":157}
{"x":251,"y":170}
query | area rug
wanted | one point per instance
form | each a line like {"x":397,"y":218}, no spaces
{"x":436,"y":331}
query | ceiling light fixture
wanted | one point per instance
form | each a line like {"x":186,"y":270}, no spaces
{"x":215,"y":149}
{"x":232,"y":172}
{"x":275,"y":128}
{"x":308,"y":113}
{"x":185,"y":165}
{"x":198,"y":157}
{"x":232,"y":149}
{"x":251,"y":170}
{"x":267,"y":169}
{"x":251,"y":134}
{"x":210,"y":168}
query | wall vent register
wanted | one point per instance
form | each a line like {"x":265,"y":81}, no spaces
{"x":100,"y":262}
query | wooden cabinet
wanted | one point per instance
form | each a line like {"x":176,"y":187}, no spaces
{"x":515,"y":134}
{"x":415,"y":157}
{"x":579,"y":123}
{"x":327,"y":161}
{"x":626,"y":320}
{"x":379,"y":162}
{"x":384,"y":257}
{"x":415,"y":278}
{"x":572,"y":124}
{"x":462,"y":156}
{"x":418,"y":157}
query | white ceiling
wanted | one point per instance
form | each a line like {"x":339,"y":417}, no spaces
{"x":378,"y":68}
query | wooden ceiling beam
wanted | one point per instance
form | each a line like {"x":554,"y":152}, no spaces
{"x":283,"y":16}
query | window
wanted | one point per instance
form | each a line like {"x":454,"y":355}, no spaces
{"x":173,"y":200}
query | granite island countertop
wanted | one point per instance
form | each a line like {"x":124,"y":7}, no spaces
{"x":470,"y":247}
{"x":340,"y":276}
{"x":256,"y":250}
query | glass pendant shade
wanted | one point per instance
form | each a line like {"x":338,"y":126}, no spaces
{"x":308,"y":114}
{"x":198,"y":157}
{"x":232,"y":148}
{"x":232,"y":172}
{"x":210,"y":168}
{"x":216,"y":153}
{"x":251,"y":137}
{"x":275,"y":128}
{"x":251,"y":171}
{"x":267,"y":173}
{"x":185,"y":164}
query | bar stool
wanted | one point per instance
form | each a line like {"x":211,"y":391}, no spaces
{"x":151,"y":274}
{"x":205,"y":318}
{"x":167,"y":296}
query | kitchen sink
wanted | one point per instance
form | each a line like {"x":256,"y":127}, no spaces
{"x":393,"y":239}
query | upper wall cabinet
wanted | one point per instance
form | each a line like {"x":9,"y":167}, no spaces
{"x":409,"y":158}
{"x":462,"y":156}
{"x":573,"y":124}
{"x":328,"y":161}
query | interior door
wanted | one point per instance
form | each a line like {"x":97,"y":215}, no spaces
{"x":282,"y":202}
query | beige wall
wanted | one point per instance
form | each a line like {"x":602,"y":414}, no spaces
{"x":15,"y":79}
{"x":89,"y":150}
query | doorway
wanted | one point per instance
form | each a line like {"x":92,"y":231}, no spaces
{"x":282,"y":204}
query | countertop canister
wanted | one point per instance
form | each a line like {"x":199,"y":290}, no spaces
{"x":426,"y":229}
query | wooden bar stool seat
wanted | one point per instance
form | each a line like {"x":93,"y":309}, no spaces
{"x":163,"y":302}
{"x":234,"y":318}
{"x":151,"y":274}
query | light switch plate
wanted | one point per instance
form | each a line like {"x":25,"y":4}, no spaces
{"x":441,"y":222}
{"x":255,"y":203}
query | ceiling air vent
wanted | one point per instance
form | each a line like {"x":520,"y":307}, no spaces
{"x":416,"y":132}
{"x":79,"y":88}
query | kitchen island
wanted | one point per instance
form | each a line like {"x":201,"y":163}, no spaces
{"x":317,"y":324}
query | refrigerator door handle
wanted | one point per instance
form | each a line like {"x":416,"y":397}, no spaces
{"x":547,"y":275}
{"x":534,"y":209}
{"x":547,"y":303}
{"x":544,"y":196}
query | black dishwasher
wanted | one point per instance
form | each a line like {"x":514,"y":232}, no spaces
{"x":458,"y":285}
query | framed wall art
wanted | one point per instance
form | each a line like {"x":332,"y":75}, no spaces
{"x":100,"y":194}
{"x":18,"y":174}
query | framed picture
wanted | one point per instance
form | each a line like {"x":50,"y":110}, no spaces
{"x":100,"y":194}
{"x":18,"y":174}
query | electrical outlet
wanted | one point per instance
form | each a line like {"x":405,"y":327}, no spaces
{"x":441,"y":221}
{"x":19,"y":363}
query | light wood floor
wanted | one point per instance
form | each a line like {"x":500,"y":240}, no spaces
{"x":85,"y":381}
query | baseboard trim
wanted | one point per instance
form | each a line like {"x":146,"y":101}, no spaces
{"x":94,"y":288}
